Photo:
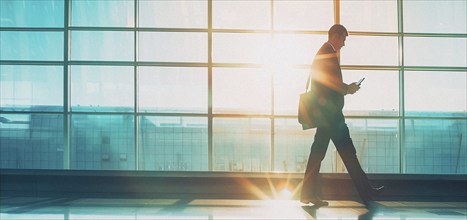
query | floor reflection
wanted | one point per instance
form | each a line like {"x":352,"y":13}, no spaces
{"x":209,"y":209}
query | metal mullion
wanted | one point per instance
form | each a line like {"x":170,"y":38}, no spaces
{"x":101,"y":113}
{"x":210,"y":66}
{"x":227,"y":115}
{"x":135,"y":87}
{"x":306,"y":32}
{"x":102,"y":63}
{"x":172,"y":114}
{"x":238,"y":65}
{"x":165,"y":30}
{"x":33,"y":29}
{"x":402,"y":148}
{"x":31,"y":62}
{"x":435,"y":68}
{"x":31,"y":112}
{"x":101,"y":28}
{"x":66,"y":95}
{"x":437,"y":35}
{"x":363,"y":33}
{"x":435,"y":118}
{"x":241,"y":31}
{"x":361,"y":67}
{"x":337,"y":11}
{"x":171,"y":64}
{"x":273,"y":120}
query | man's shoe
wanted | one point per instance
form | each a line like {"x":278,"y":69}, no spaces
{"x":315,"y":201}
{"x":377,"y":191}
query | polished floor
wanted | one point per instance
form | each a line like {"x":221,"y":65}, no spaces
{"x":35,"y":208}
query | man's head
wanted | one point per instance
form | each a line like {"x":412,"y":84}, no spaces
{"x":337,"y":35}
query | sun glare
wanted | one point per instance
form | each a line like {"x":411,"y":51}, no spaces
{"x":285,"y":194}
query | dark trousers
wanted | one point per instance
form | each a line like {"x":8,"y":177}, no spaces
{"x":340,"y":136}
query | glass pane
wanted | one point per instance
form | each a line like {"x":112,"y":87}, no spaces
{"x":370,"y":50}
{"x":173,"y":89}
{"x":431,"y":51}
{"x":45,"y":13}
{"x":241,"y":90}
{"x":173,"y":47}
{"x":377,"y":144}
{"x":102,"y":88}
{"x":292,"y":49}
{"x":435,"y":16}
{"x":241,"y":48}
{"x":103,"y":13}
{"x":102,"y":45}
{"x":436,"y":94}
{"x":378,"y":94}
{"x":173,"y":14}
{"x":252,"y":14}
{"x":288,"y":85}
{"x":292,"y":147}
{"x":242,"y":144}
{"x":374,"y":16}
{"x":102,"y":142}
{"x":436,"y":146}
{"x":31,"y":88}
{"x":303,"y":15}
{"x":31,"y":141}
{"x":173,"y":143}
{"x":28,"y":45}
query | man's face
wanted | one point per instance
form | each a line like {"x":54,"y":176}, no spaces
{"x":340,"y":41}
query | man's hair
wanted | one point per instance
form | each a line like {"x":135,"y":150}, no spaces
{"x":337,"y":30}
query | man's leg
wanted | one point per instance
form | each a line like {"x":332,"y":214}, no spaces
{"x":317,"y":153}
{"x":346,"y":149}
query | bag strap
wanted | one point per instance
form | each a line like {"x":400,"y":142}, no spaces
{"x":308,"y":82}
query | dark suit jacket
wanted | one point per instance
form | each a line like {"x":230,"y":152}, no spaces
{"x":328,"y":85}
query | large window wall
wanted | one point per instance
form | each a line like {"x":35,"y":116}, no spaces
{"x":213,"y":85}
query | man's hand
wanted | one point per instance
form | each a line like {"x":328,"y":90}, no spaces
{"x":352,"y":88}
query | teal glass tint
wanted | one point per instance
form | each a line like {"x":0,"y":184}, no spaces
{"x":241,"y":48}
{"x":173,"y":14}
{"x":173,"y":143}
{"x":241,"y":90}
{"x":28,"y":13}
{"x":377,"y":144}
{"x":29,"y":45}
{"x":242,"y":144}
{"x":292,"y":147}
{"x":253,"y":14}
{"x":102,"y":142}
{"x":378,"y":94}
{"x":102,"y":88}
{"x":433,"y":93}
{"x":31,"y":141}
{"x":173,"y":47}
{"x":173,"y":89}
{"x":435,"y":16}
{"x":370,"y":50}
{"x":435,"y":146}
{"x":102,"y":45}
{"x":369,"y":16}
{"x":303,"y":15}
{"x":435,"y":51}
{"x":31,"y":88}
{"x":375,"y":140}
{"x":91,"y":13}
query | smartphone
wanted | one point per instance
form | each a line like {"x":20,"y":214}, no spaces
{"x":360,"y":81}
